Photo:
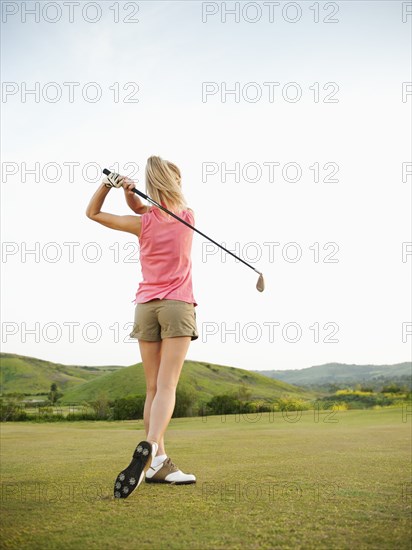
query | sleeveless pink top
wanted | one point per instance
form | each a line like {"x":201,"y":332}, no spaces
{"x":165,"y":257}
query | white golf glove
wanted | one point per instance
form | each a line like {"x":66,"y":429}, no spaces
{"x":113,"y":180}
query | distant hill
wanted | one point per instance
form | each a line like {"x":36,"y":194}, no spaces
{"x":341,"y":373}
{"x":29,"y":375}
{"x":205,"y":378}
{"x":23,"y":374}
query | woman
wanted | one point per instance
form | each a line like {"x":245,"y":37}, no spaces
{"x":165,"y":318}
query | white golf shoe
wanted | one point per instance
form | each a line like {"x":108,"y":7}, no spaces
{"x":168,"y":472}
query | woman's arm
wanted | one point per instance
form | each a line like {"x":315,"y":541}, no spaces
{"x":130,"y":224}
{"x":132,"y":199}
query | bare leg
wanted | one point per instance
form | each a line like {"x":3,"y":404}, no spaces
{"x":150,"y":353}
{"x":173,"y":353}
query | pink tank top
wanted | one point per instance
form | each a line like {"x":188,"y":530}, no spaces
{"x":165,"y":257}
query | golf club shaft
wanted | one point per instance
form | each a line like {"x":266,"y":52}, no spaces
{"x":143,"y":195}
{"x":191,"y":227}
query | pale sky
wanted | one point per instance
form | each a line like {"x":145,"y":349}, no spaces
{"x":319,"y":203}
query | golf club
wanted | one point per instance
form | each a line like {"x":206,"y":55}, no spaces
{"x":260,"y":285}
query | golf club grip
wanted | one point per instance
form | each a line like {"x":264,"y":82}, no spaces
{"x":107,"y":172}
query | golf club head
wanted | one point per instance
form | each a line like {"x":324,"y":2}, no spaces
{"x":260,"y":285}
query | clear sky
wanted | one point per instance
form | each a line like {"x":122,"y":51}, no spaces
{"x":317,"y":132}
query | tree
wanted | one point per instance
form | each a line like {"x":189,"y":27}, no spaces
{"x":129,"y":408}
{"x":243,"y":393}
{"x":224,"y":404}
{"x":392,"y":388}
{"x":185,"y":399}
{"x":101,"y":406}
{"x":54,"y":394}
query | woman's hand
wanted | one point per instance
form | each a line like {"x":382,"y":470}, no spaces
{"x":130,"y":224}
{"x":132,"y":199}
{"x":128,"y":186}
{"x":113,"y":180}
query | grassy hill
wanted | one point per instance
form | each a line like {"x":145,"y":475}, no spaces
{"x":331,"y":373}
{"x":29,"y":375}
{"x":205,"y":378}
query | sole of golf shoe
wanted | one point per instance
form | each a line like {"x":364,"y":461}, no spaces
{"x":131,"y":477}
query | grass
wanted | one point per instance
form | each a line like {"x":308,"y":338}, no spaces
{"x":261,"y":483}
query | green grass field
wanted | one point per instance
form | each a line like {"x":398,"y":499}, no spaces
{"x":261,"y":483}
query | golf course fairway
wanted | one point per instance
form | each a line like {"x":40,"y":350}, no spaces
{"x":285,"y":481}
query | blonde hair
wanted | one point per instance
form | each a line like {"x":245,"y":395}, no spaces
{"x":163,"y":184}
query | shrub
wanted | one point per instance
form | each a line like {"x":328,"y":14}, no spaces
{"x":46,"y":417}
{"x":101,"y":406}
{"x":11,"y":411}
{"x":343,"y":406}
{"x":359,"y":400}
{"x":185,"y":401}
{"x":393,"y":388}
{"x":228,"y":403}
{"x":82,"y":416}
{"x":292,"y":404}
{"x":224,"y":404}
{"x":262,"y":406}
{"x":128,"y":408}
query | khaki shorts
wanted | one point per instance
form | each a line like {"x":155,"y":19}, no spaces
{"x":160,"y":319}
